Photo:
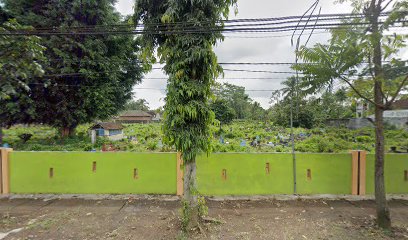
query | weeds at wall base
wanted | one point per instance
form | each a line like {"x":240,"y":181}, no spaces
{"x":186,"y":211}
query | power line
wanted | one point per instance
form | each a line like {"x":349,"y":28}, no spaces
{"x":129,"y":71}
{"x":137,"y":88}
{"x":196,"y":29}
{"x":258,"y":71}
{"x":278,"y":20}
{"x":141,"y":62}
{"x":142,"y":32}
{"x":201,"y":23}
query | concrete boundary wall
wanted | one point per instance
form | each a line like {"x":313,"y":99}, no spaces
{"x":220,"y":174}
{"x":93,"y":172}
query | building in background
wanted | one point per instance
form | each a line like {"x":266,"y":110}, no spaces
{"x":396,"y":117}
{"x":134,"y":117}
{"x":156,"y":116}
{"x":112,"y":131}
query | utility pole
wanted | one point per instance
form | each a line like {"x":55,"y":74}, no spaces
{"x":295,"y":84}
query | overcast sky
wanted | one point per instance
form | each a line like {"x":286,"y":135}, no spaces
{"x":239,"y":48}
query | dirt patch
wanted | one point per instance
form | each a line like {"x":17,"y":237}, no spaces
{"x":158,"y":219}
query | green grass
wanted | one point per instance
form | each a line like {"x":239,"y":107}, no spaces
{"x":149,"y":139}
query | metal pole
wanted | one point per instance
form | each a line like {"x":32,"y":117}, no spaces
{"x":293,"y":142}
{"x":294,"y":87}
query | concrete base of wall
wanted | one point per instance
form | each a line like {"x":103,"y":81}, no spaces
{"x":279,"y":197}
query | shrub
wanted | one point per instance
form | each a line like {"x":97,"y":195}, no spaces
{"x":364,"y":139}
{"x":25,"y":137}
{"x":152,"y":145}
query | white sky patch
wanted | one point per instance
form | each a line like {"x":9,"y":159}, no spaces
{"x":238,"y":49}
{"x":125,"y":7}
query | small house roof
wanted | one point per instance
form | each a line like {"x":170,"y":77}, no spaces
{"x":135,"y":114}
{"x":108,"y":126}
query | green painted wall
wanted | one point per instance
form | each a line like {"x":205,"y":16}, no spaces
{"x":29,"y":172}
{"x":394,"y":167}
{"x":246,"y":174}
{"x":330,"y":173}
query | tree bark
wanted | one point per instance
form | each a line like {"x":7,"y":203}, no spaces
{"x":190,"y":195}
{"x":383,"y":213}
{"x":67,"y":132}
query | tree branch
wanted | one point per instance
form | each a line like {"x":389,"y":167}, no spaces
{"x":379,"y":6}
{"x":359,"y":93}
{"x":382,"y":93}
{"x":373,"y":76}
{"x":388,"y":103}
{"x":386,"y":5}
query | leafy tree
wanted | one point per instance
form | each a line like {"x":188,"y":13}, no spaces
{"x":191,"y":65}
{"x":391,"y":74}
{"x":309,"y":111}
{"x":279,"y":114}
{"x":223,"y":112}
{"x":140,"y":104}
{"x":236,"y":97}
{"x":346,"y":54}
{"x":256,"y":112}
{"x":4,"y":16}
{"x":20,"y":65}
{"x":87,"y":77}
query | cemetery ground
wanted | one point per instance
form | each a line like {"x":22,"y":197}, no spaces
{"x":158,"y":218}
{"x":235,"y":137}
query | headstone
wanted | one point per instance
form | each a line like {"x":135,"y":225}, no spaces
{"x":271,"y":144}
{"x":221,"y":140}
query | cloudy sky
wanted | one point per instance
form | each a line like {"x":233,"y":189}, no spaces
{"x":247,"y":47}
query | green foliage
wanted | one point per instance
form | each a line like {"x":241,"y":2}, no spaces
{"x":152,"y":145}
{"x":223,"y":112}
{"x":347,"y":52}
{"x":310,"y":112}
{"x":235,"y":98}
{"x":202,"y":206}
{"x":191,"y":65}
{"x":149,"y":136}
{"x":106,"y":66}
{"x":20,"y":65}
{"x":25,"y":137}
{"x":185,"y":216}
{"x":140,"y":104}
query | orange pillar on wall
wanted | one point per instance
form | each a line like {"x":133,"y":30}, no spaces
{"x":5,"y":170}
{"x":363,"y":162}
{"x":358,"y":182}
{"x":179,"y":174}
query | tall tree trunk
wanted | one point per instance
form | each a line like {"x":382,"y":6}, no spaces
{"x":67,"y":132}
{"x":190,"y":195}
{"x":383,"y":214}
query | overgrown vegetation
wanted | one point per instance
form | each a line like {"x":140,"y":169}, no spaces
{"x":148,"y":138}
